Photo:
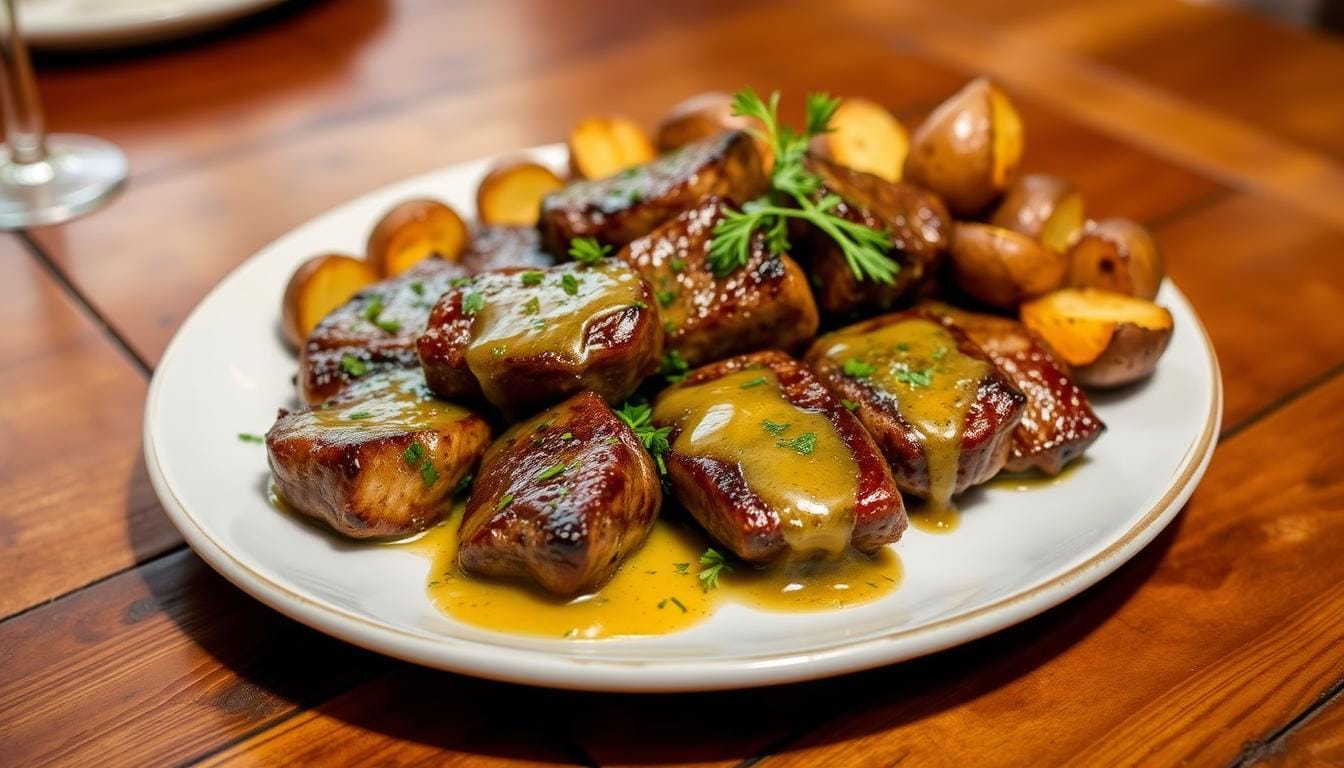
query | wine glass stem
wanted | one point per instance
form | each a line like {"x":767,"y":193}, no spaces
{"x":24,"y":130}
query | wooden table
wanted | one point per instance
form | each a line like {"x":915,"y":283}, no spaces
{"x":1223,"y":642}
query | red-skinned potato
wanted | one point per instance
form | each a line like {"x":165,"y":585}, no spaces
{"x":1108,"y":339}
{"x":604,"y":146}
{"x":1116,"y":255}
{"x":511,"y":193}
{"x":414,"y":231}
{"x":1045,"y":208}
{"x":318,"y":286}
{"x":864,"y":136}
{"x":969,"y":149}
{"x":1003,"y":268}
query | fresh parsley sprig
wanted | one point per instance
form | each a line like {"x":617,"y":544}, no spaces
{"x":586,"y":250}
{"x":639,"y":418}
{"x":714,"y":564}
{"x":792,"y":189}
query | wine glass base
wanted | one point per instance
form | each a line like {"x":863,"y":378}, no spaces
{"x":78,"y":175}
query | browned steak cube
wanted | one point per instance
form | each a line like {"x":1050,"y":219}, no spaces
{"x":374,"y":331}
{"x":916,"y":221}
{"x":630,"y":204}
{"x":1058,"y":423}
{"x":769,"y":462}
{"x":561,"y":499}
{"x":527,"y":339}
{"x":500,"y":247}
{"x":380,"y":460}
{"x":765,"y":304}
{"x":939,"y":408}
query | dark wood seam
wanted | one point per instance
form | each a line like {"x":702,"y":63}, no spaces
{"x":1277,"y":740}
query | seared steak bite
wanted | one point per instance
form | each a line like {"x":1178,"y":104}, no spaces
{"x":916,"y":220}
{"x":501,"y":247}
{"x":937,"y":406}
{"x":620,"y":208}
{"x":561,"y":499}
{"x":765,"y":303}
{"x":1058,"y":423}
{"x":374,"y":331}
{"x":380,"y":460}
{"x":524,"y":339}
{"x":770,"y":463}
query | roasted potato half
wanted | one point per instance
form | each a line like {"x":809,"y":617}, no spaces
{"x":864,"y":136}
{"x":318,"y":286}
{"x":1001,"y":267}
{"x":969,"y":149}
{"x":604,"y":146}
{"x":1116,"y":255}
{"x":414,"y":231}
{"x":1045,"y":208}
{"x":511,"y":193}
{"x":1108,"y":338}
{"x":699,"y":117}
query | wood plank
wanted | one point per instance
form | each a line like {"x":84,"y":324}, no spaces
{"x":207,"y":221}
{"x":1226,"y":149}
{"x":158,"y":666}
{"x":78,"y":505}
{"x":1317,"y":742}
{"x":1223,"y":630}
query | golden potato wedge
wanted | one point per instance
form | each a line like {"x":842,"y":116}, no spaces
{"x":969,"y":149}
{"x":1045,"y":208}
{"x":1116,"y":255}
{"x":414,"y":231}
{"x":318,"y":286}
{"x":604,"y":146}
{"x":864,"y":136}
{"x":1108,"y":338}
{"x":699,"y":117}
{"x":511,"y":193}
{"x":1001,"y":267}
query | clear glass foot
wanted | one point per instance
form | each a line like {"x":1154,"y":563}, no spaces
{"x":78,"y":174}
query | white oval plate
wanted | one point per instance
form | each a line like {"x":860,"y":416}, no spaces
{"x":88,"y":24}
{"x":1015,"y":554}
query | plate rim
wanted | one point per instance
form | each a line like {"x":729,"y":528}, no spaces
{"x":593,"y":673}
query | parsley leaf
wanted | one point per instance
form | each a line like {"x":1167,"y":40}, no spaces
{"x":248,"y":437}
{"x":464,"y":484}
{"x":639,"y":418}
{"x":532,"y":278}
{"x":682,"y":568}
{"x":715,"y":564}
{"x":676,"y":265}
{"x":353,"y":365}
{"x":674,"y":366}
{"x":915,"y":378}
{"x":472,"y":303}
{"x":803,"y":444}
{"x":570,"y":284}
{"x":532,"y":306}
{"x":374,"y":309}
{"x":504,"y":501}
{"x":460,"y":282}
{"x":756,"y":382}
{"x":857,"y":369}
{"x":418,"y":288}
{"x":774,"y":427}
{"x":357,"y":415}
{"x":429,"y":474}
{"x":850,"y":405}
{"x":665,"y":298}
{"x":587,"y":250}
{"x":551,"y":471}
{"x":391,"y":326}
{"x":413,"y":454}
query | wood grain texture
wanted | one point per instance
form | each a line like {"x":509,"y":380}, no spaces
{"x":158,"y":666}
{"x":1317,"y":742}
{"x":77,"y":501}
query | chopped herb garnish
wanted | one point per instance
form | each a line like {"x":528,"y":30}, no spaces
{"x":714,"y":563}
{"x":663,"y":603}
{"x":570,"y":284}
{"x":572,"y":632}
{"x":774,"y":427}
{"x":587,"y":250}
{"x":459,"y":282}
{"x":902,"y":347}
{"x":803,"y":444}
{"x":858,"y":369}
{"x":504,"y":501}
{"x":567,"y":436}
{"x":682,"y":568}
{"x":792,"y":191}
{"x":418,"y":288}
{"x":638,"y":417}
{"x":665,"y":298}
{"x":374,"y":309}
{"x":638,"y":305}
{"x":532,"y":306}
{"x":464,"y":484}
{"x":676,"y":265}
{"x":248,"y":437}
{"x":413,"y":454}
{"x":391,"y":326}
{"x":532,"y":278}
{"x":756,"y":382}
{"x":357,"y":415}
{"x":915,"y":378}
{"x":940,"y":353}
{"x":429,"y":474}
{"x":850,"y":405}
{"x":674,"y":366}
{"x":669,"y":326}
{"x":353,"y":365}
{"x":472,"y":303}
{"x":543,"y":426}
{"x":551,"y":471}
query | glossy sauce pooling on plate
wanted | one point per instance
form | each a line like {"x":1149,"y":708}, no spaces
{"x":554,"y":319}
{"x":394,"y":403}
{"x":917,"y":363}
{"x":657,"y":590}
{"x":791,"y":457}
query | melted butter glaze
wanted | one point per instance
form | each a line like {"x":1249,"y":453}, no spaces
{"x":391,"y":403}
{"x":917,"y":363}
{"x":551,"y":320}
{"x":794,"y":459}
{"x":656,"y":591}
